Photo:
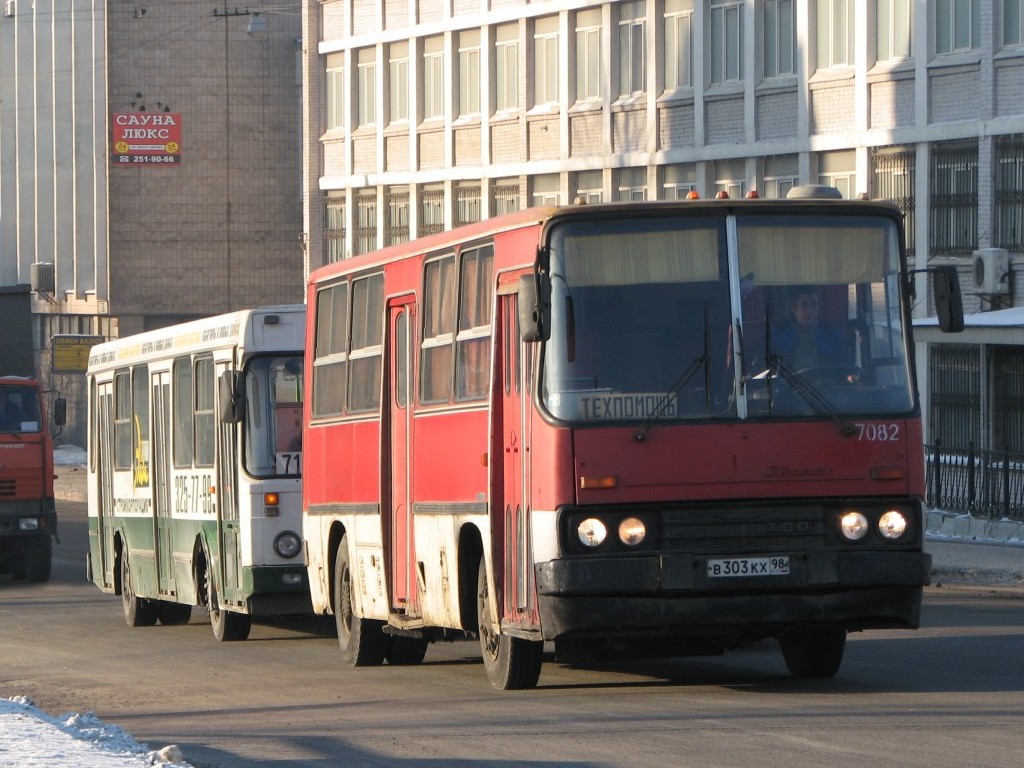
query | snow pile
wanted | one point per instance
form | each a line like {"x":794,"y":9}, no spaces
{"x":70,"y":455}
{"x":29,"y":738}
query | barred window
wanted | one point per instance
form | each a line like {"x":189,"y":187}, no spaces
{"x":894,"y":179}
{"x":431,"y":211}
{"x":334,"y":228}
{"x":955,"y":381}
{"x":1006,"y":367}
{"x":398,"y":216}
{"x":467,"y":204}
{"x":366,"y":221}
{"x":1009,"y":199}
{"x":506,"y":198}
{"x":954,"y":199}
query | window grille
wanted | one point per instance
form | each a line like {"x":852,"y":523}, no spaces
{"x":431,"y":211}
{"x":334,"y":231}
{"x":894,"y":175}
{"x":366,"y":221}
{"x":467,"y":204}
{"x":398,"y":218}
{"x":954,"y":377}
{"x":954,"y":203}
{"x":1009,"y":199}
{"x":506,"y":199}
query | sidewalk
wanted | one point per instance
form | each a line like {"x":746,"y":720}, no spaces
{"x":964,"y":550}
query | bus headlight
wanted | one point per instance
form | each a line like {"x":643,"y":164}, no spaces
{"x":632,"y":531}
{"x":28,"y":524}
{"x":892,"y":524}
{"x":287,"y":544}
{"x":592,"y":532}
{"x":854,"y":525}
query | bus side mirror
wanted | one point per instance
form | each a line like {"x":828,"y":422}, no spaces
{"x":232,"y":399}
{"x":60,"y":412}
{"x":949,"y":304}
{"x":534,"y":307}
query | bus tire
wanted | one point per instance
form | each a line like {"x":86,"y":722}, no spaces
{"x":138,"y":611}
{"x":227,"y":626}
{"x":512,"y":663}
{"x":406,"y":651}
{"x":38,"y":556}
{"x":362,"y":641}
{"x":813,"y":653}
{"x":173,"y":614}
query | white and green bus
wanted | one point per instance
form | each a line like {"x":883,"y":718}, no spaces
{"x":195,"y":467}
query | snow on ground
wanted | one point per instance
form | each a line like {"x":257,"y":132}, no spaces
{"x":70,"y":455}
{"x":29,"y":738}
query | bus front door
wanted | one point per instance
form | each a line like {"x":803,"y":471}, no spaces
{"x":513,"y":555}
{"x":399,"y":523}
{"x":105,"y":482}
{"x":227,"y":507}
{"x":160,"y":468}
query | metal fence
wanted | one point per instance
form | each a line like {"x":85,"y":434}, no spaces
{"x":981,"y":483}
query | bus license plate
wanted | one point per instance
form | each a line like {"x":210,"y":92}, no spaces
{"x":776,"y":565}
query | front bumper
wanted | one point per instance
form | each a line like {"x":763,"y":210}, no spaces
{"x":672,"y":594}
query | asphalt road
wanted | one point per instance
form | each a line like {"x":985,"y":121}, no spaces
{"x":949,"y":694}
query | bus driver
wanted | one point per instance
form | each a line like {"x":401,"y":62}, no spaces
{"x":805,"y":342}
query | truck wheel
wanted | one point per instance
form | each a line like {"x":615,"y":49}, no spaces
{"x":362,"y":641}
{"x":38,"y":558}
{"x":138,"y":611}
{"x":813,"y":653}
{"x":512,"y":663}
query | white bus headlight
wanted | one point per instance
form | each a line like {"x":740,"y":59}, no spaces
{"x":592,"y":532}
{"x":287,"y":544}
{"x":632,"y":531}
{"x":28,"y":524}
{"x":892,"y":524}
{"x":854,"y":525}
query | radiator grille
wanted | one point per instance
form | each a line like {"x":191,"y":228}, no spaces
{"x":747,"y":528}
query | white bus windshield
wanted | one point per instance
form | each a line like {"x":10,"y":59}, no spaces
{"x":655,"y":319}
{"x":273,"y":416}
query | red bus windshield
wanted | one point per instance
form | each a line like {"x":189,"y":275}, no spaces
{"x":741,"y":316}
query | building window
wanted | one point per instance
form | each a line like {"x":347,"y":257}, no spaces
{"x":726,"y":42}
{"x":545,"y":52}
{"x":678,"y":46}
{"x":731,"y":178}
{"x":1009,"y":202}
{"x":780,"y":175}
{"x":1006,"y":364}
{"x":469,"y":73}
{"x":506,"y":68}
{"x":955,"y":382}
{"x":957,"y":25}
{"x":834,"y":34}
{"x":366,"y":221}
{"x":431,"y":210}
{"x":632,"y":185}
{"x":779,"y":38}
{"x":366,"y":89}
{"x":632,"y":49}
{"x":954,"y":203}
{"x":589,"y":186}
{"x":397,"y":226}
{"x":839,"y":170}
{"x":894,"y":25}
{"x":545,"y":189}
{"x":505,"y":197}
{"x":894,"y":180}
{"x":588,"y":54}
{"x":677,"y":181}
{"x":335,"y":91}
{"x":334,"y":227}
{"x":467,"y":204}
{"x":1013,"y":22}
{"x":398,"y":82}
{"x":433,"y":78}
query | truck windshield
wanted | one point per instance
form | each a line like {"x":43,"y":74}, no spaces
{"x":19,"y":409}
{"x":273,"y":416}
{"x":656,"y":319}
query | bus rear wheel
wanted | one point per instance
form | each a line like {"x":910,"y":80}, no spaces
{"x":173,"y":614}
{"x":405,"y":651}
{"x":512,"y":663}
{"x":813,"y":653}
{"x":138,"y":611}
{"x":362,"y":641}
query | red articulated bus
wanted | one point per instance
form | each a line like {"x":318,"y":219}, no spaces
{"x":664,"y":428}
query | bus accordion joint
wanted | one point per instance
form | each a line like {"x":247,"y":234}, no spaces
{"x":598,"y":482}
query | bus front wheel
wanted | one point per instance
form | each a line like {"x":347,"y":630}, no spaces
{"x":512,"y":663}
{"x":362,"y":641}
{"x":813,"y":653}
{"x":228,"y":626}
{"x":138,"y":611}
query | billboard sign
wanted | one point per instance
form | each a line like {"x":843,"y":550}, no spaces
{"x":146,"y":138}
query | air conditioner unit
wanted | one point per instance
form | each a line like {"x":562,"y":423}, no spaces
{"x":991,"y":271}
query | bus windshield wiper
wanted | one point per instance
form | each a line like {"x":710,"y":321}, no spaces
{"x":810,"y":393}
{"x":701,"y":361}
